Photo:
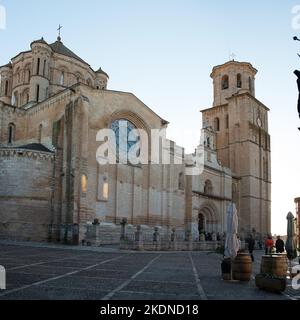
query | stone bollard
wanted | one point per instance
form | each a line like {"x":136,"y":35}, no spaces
{"x":138,"y":239}
{"x":214,"y":237}
{"x":123,"y":229}
{"x":156,"y":239}
{"x":75,"y":234}
{"x":173,"y":245}
{"x":92,"y":237}
{"x":62,"y":232}
{"x":69,"y":233}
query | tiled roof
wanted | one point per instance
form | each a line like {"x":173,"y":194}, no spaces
{"x":60,"y":48}
{"x":35,"y":147}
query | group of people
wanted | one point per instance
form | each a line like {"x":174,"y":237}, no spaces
{"x":269,"y":245}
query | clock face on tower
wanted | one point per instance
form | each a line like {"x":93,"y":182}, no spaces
{"x":258,"y":121}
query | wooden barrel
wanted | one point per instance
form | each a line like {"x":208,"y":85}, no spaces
{"x":242,"y":267}
{"x":276,"y":265}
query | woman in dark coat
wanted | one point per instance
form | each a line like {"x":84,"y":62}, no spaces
{"x":251,"y":245}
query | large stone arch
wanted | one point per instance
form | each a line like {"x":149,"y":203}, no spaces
{"x":208,"y":217}
{"x":130,"y":116}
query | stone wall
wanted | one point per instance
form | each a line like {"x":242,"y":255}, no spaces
{"x":25,"y":194}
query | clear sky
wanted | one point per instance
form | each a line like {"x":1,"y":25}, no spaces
{"x":163,"y":51}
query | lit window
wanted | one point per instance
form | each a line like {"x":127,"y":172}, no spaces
{"x":83,"y":183}
{"x":105,"y":190}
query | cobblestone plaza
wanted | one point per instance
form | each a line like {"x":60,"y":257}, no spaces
{"x":41,"y":272}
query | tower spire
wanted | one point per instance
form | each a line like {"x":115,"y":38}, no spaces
{"x":59,"y":35}
{"x":232,"y":56}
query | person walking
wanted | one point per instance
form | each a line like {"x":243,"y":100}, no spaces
{"x":269,"y":244}
{"x":251,"y":245}
{"x":279,"y":245}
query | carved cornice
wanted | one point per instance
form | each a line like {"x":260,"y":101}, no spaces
{"x":17,"y":153}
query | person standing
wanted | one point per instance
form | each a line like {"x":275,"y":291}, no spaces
{"x":269,"y":244}
{"x":251,"y":245}
{"x":279,"y":245}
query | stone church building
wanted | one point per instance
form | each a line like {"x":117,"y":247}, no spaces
{"x":52,"y":188}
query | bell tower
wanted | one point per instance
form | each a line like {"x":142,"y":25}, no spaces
{"x":242,"y":141}
{"x":231,"y":78}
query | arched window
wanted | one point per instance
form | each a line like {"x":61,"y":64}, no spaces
{"x":225,"y":82}
{"x":78,"y":77}
{"x":227,"y":121}
{"x":6,"y":88}
{"x":44,"y":68}
{"x":89,"y":82}
{"x":11,"y":133}
{"x":239,"y":80}
{"x":25,"y":96}
{"x":122,"y":129}
{"x":217,"y":124}
{"x":15,"y":99}
{"x":62,"y":78}
{"x":208,"y":187}
{"x":27,"y":75}
{"x":37,"y":93}
{"x":40,"y":133}
{"x":208,"y":142}
{"x":181,"y":181}
{"x":38,"y":66}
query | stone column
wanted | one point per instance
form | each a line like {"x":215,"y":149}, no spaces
{"x":80,"y":162}
{"x":93,"y":234}
{"x":214,"y":237}
{"x":138,"y":239}
{"x":202,"y":237}
{"x":173,"y":245}
{"x":63,"y":236}
{"x":123,"y":229}
{"x":156,"y":239}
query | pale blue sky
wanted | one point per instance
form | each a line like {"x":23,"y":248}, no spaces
{"x":163,"y":51}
